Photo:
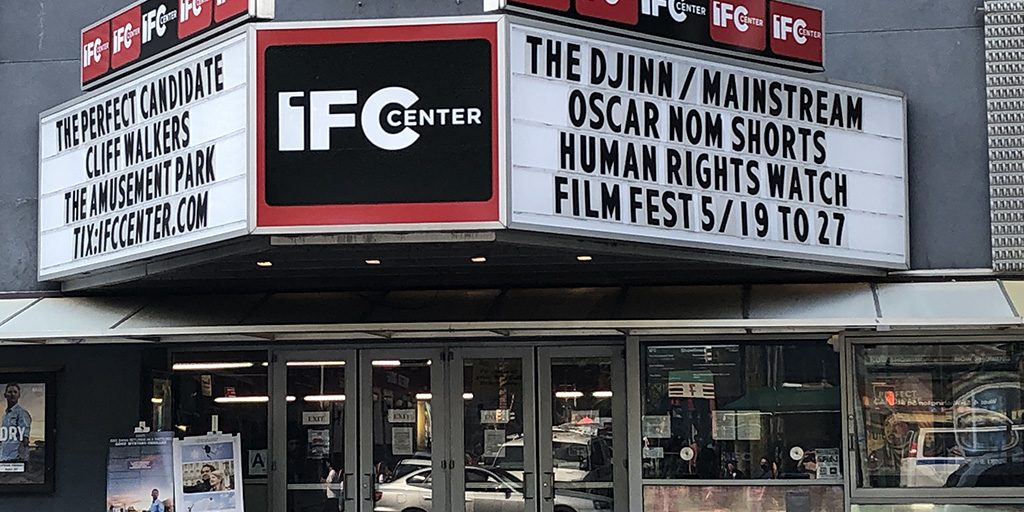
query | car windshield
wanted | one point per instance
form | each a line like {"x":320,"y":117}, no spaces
{"x":405,"y":467}
{"x":569,"y":454}
{"x":511,"y":459}
{"x":505,"y":475}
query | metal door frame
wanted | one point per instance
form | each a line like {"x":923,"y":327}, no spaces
{"x":278,"y":407}
{"x":620,"y":441}
{"x":457,"y":358}
{"x":440,"y":449}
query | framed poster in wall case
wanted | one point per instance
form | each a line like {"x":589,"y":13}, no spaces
{"x":27,"y":430}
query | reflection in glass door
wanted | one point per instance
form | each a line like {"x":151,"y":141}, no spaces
{"x":493,"y":430}
{"x":319,"y":457}
{"x":449,"y":430}
{"x":581,"y":425}
{"x":402,"y":465}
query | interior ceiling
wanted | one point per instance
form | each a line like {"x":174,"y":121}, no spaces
{"x":522,"y":261}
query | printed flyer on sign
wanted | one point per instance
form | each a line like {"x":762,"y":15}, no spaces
{"x":140,"y":473}
{"x":209,"y":474}
{"x":23,"y":433}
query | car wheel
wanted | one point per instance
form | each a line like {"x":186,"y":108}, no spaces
{"x":414,"y":510}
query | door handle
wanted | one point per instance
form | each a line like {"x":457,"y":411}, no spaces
{"x":368,"y":487}
{"x":345,"y":488}
{"x":549,"y":485}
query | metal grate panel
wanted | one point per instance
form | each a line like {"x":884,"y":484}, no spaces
{"x":1004,"y":83}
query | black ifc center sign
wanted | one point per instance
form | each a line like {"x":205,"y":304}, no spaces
{"x":378,"y":122}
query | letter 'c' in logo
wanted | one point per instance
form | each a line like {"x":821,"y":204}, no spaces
{"x":370,"y":118}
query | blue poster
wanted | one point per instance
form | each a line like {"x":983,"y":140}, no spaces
{"x":140,"y":474}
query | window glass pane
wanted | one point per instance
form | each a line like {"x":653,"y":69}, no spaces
{"x":750,"y":411}
{"x":229,"y":385}
{"x":940,"y":415}
{"x":316,"y":434}
{"x":402,"y":417}
{"x":492,"y":411}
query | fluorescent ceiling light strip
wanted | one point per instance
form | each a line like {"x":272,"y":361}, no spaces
{"x":324,"y":398}
{"x":387,"y":363}
{"x":315,"y":363}
{"x":210,"y":366}
{"x":568,"y":394}
{"x":241,"y":399}
{"x":424,"y":396}
{"x":601,"y":394}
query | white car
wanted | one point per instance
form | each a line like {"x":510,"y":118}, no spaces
{"x":932,"y":457}
{"x":487,"y":490}
{"x":574,"y":456}
{"x":936,"y":452}
{"x":406,"y":466}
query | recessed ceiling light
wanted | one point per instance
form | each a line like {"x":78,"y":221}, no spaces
{"x":264,"y":263}
{"x":478,"y":259}
{"x":373,"y":262}
{"x":584,"y":257}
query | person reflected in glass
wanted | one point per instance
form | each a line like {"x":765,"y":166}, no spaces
{"x":332,"y":483}
{"x":708,"y":462}
{"x":732,"y":472}
{"x":766,"y":469}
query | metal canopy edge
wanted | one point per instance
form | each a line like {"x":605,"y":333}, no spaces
{"x":812,"y":308}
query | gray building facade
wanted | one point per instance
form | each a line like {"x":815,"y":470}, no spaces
{"x":899,"y":382}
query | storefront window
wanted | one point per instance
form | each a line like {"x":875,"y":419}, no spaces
{"x":941,"y":415}
{"x":229,"y":388}
{"x":742,"y":411}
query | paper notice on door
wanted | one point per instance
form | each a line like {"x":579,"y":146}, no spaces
{"x":494,"y":441}
{"x":401,"y":440}
{"x":748,"y":425}
{"x":657,"y":427}
{"x":723,"y":426}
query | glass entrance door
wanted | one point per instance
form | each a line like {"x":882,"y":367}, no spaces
{"x":319,"y":428}
{"x":448,"y":429}
{"x":404,"y":463}
{"x":582,"y":425}
{"x":493,"y":429}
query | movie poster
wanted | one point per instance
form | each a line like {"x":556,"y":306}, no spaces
{"x":140,"y":473}
{"x":209,"y":473}
{"x":23,"y":433}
